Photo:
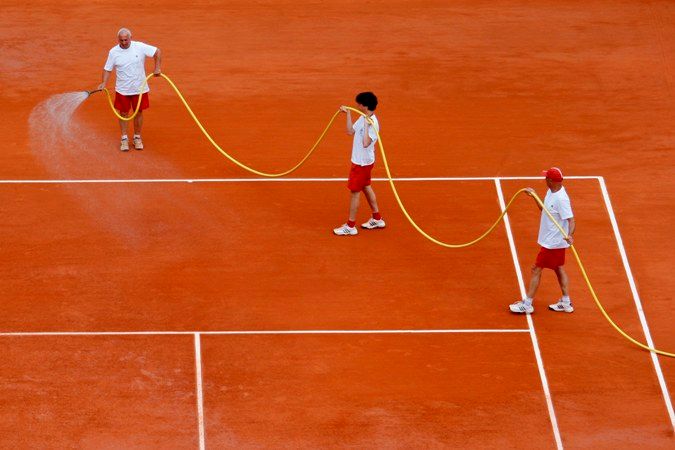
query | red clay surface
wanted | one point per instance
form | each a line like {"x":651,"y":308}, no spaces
{"x":500,"y":88}
{"x":355,"y":392}
{"x":613,"y":386}
{"x":213,"y":262}
{"x":93,"y":392}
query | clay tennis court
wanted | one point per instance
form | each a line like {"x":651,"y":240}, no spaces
{"x":165,"y":298}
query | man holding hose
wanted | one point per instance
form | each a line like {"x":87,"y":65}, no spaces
{"x":552,"y":242}
{"x":128,"y":60}
{"x":363,"y":159}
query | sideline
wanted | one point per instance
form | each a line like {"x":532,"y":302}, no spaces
{"x":530,"y":322}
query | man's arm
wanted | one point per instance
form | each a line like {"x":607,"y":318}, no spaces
{"x":350,"y":125}
{"x":158,"y":62}
{"x":104,"y":79}
{"x":529,"y":191}
{"x":367,"y":140}
{"x":573,"y":227}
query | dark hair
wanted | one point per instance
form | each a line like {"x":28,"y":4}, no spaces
{"x":367,"y":99}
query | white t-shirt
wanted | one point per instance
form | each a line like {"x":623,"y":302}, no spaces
{"x":364,"y":156}
{"x":558,"y":204}
{"x":130,"y":66}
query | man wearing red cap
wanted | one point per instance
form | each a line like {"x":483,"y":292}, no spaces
{"x":552,"y":242}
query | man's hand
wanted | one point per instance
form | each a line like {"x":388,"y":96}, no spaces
{"x":100,"y":87}
{"x":343,"y":109}
{"x":157,"y":72}
{"x":529,"y":191}
{"x":569,"y":239}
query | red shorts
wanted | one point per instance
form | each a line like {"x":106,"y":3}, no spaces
{"x":550,"y":258}
{"x":124,"y":103}
{"x":359,"y":177}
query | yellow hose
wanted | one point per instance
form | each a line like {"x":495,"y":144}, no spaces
{"x":396,"y":195}
{"x":208,"y":136}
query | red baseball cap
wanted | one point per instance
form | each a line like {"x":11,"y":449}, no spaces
{"x":553,"y":174}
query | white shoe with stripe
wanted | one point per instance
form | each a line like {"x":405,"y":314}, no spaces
{"x":345,"y":230}
{"x":521,"y":307}
{"x":562,"y":306}
{"x":373,"y":223}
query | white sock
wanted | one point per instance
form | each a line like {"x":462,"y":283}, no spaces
{"x":137,"y":136}
{"x":124,"y":136}
{"x":566,"y":299}
{"x":528,"y":301}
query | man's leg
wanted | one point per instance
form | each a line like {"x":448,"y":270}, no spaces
{"x":372,"y":200}
{"x":349,"y":228}
{"x":138,"y":126}
{"x":353,"y":207}
{"x":563,"y":281}
{"x":124,"y":125}
{"x":534,"y":282}
{"x":525,"y":305}
{"x":376,"y":221}
{"x":564,"y":304}
{"x":124,"y":144}
{"x":138,"y":123}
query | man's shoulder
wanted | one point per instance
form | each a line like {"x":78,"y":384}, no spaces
{"x":141,"y":45}
{"x":563,"y":194}
{"x":562,"y":198}
{"x":373,"y":118}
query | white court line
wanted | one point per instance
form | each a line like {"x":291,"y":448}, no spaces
{"x":530,"y":323}
{"x":259,"y":332}
{"x":200,"y":392}
{"x":271,"y":180}
{"x":638,"y":302}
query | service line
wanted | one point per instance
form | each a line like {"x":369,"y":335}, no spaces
{"x":260,"y":332}
{"x":272,"y":180}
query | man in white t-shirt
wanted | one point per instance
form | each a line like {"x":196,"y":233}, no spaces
{"x":552,"y":242}
{"x":363,"y":160}
{"x":128,"y":60}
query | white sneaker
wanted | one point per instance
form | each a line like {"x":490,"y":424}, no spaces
{"x":138,"y":143}
{"x":124,"y":145}
{"x":345,"y":230}
{"x":521,"y":308}
{"x":373,"y":223}
{"x":562,"y":306}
